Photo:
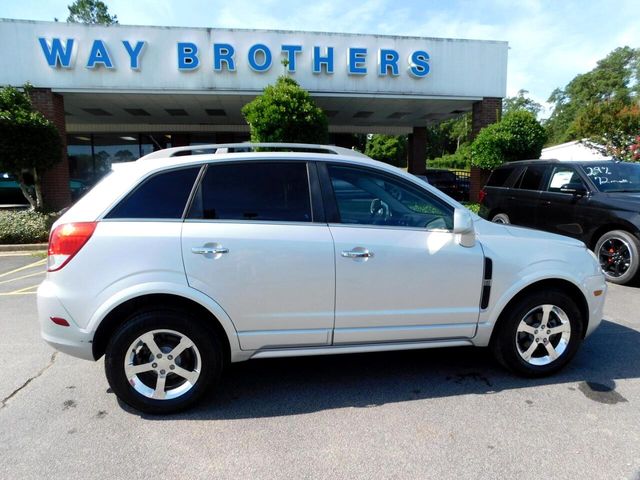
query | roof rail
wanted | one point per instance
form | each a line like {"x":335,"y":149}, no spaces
{"x":244,"y":147}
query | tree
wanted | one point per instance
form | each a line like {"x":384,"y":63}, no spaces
{"x":615,"y":81}
{"x":521,"y":102}
{"x":29,"y":143}
{"x":93,"y":12}
{"x":285,"y":112}
{"x":390,"y":149}
{"x":518,"y":136}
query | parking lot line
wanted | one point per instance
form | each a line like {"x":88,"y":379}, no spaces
{"x":24,"y":290}
{"x":31,"y":265}
{"x":21,"y":277}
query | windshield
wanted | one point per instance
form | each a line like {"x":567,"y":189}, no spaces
{"x":614,"y":176}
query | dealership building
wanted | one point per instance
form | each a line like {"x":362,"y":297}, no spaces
{"x":119,"y":92}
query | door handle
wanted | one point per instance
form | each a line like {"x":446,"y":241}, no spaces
{"x":209,"y":250}
{"x":357,"y":253}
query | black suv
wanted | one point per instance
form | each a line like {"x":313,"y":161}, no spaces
{"x":597,"y":202}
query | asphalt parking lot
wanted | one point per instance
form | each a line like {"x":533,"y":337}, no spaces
{"x":422,"y":414}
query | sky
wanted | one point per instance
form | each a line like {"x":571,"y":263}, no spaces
{"x":549,"y":41}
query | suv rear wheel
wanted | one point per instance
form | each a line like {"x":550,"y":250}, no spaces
{"x":162,"y":361}
{"x":619,"y":256}
{"x":539,"y":334}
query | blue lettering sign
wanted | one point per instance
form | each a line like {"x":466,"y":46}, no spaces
{"x":388,"y":59}
{"x":187,"y":56}
{"x":99,"y":55}
{"x":419,"y":64}
{"x":253,"y":62}
{"x":223,"y":52}
{"x":57,"y":55}
{"x":134,"y":53}
{"x":319,"y":60}
{"x":356,"y":61}
{"x":291,"y":51}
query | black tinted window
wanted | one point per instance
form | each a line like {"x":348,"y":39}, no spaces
{"x":532,"y":178}
{"x":499,"y":177}
{"x":162,"y":196}
{"x":254,"y":191}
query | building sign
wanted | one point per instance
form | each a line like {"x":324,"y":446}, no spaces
{"x":59,"y":53}
{"x":79,"y":57}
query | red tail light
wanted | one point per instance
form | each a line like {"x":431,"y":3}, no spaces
{"x":482,"y":195}
{"x":67,"y":240}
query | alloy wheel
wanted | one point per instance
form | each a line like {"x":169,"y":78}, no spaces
{"x":615,"y":256}
{"x":543,"y":335}
{"x":162,"y":364}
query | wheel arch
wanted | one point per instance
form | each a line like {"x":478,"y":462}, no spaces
{"x":608,"y":227}
{"x":565,"y":286}
{"x":119,"y":314}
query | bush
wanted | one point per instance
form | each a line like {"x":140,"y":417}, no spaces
{"x":390,"y":149}
{"x":474,"y":207}
{"x":461,"y":160}
{"x":518,"y":136}
{"x":26,"y":226}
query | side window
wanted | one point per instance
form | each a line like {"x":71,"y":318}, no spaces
{"x":268,"y":191}
{"x":499,"y":177}
{"x":532,"y":178}
{"x":162,"y":196}
{"x":562,"y":176}
{"x":365,"y":197}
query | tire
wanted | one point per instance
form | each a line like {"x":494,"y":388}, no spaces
{"x":199,"y":358}
{"x":501,"y":218}
{"x":619,"y":255}
{"x":519,"y":335}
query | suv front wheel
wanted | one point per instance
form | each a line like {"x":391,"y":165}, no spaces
{"x":619,"y":256}
{"x":539,"y":334}
{"x":162,"y":361}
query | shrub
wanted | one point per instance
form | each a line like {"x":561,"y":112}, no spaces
{"x":518,"y":136}
{"x":460,"y":160}
{"x":474,"y":207}
{"x":26,"y":226}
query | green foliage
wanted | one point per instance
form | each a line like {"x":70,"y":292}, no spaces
{"x":521,"y":102}
{"x":460,"y":160}
{"x":517,"y":136}
{"x":285,"y":112}
{"x":474,"y":207}
{"x":614,"y":81}
{"x":27,"y":226}
{"x":390,"y":149}
{"x":28,"y":141}
{"x":446,"y":137}
{"x":93,"y":12}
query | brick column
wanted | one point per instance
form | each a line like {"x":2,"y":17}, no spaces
{"x":55,"y":181}
{"x":417,"y":151}
{"x":485,"y":112}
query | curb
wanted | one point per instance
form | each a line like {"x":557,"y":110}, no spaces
{"x":27,"y":247}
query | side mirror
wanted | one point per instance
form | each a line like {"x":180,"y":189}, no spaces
{"x":463,"y":227}
{"x":575,"y":188}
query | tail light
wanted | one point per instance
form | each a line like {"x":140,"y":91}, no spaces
{"x":482,"y":195}
{"x":67,"y":240}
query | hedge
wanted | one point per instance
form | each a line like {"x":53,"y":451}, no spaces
{"x":25,"y":226}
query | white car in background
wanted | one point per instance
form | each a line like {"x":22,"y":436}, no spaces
{"x":194,"y":257}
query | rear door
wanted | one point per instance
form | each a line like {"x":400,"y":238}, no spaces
{"x":255,"y":243}
{"x":524,"y":197}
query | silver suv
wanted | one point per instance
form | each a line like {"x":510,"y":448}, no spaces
{"x":193,"y":257}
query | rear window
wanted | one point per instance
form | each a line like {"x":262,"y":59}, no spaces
{"x":267,"y":191}
{"x":532,"y":178}
{"x":500,"y":176}
{"x":163,"y":196}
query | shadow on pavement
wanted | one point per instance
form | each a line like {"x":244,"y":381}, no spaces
{"x":292,"y":386}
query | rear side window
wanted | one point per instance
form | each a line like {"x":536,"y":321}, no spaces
{"x":532,"y":177}
{"x":163,"y":196}
{"x":499,"y":177}
{"x":267,"y":191}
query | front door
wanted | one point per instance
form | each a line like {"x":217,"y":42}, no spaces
{"x":400,"y":275}
{"x":250,"y":243}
